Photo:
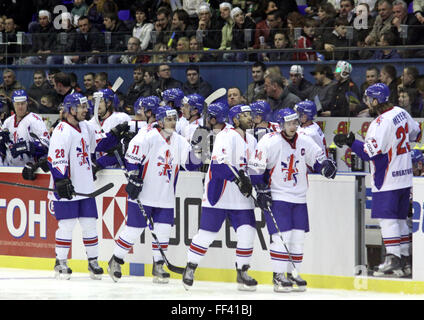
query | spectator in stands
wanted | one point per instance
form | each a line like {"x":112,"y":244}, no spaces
{"x":66,"y":42}
{"x":280,"y":42}
{"x":40,"y":86}
{"x":47,"y":105}
{"x":406,"y":99}
{"x":74,"y":82}
{"x":79,"y":10}
{"x":388,"y":77}
{"x":62,"y":85}
{"x":418,"y":8}
{"x":88,"y":80}
{"x":256,"y":88}
{"x":321,"y":91}
{"x":162,"y":25}
{"x":101,"y":81}
{"x":383,"y":22}
{"x":227,"y":30}
{"x":408,"y":78}
{"x":371,"y":77}
{"x":165,"y":80}
{"x":243,"y":30}
{"x":264,"y":28}
{"x":294,"y":20}
{"x":345,"y":94}
{"x":387,"y":39}
{"x":143,"y":28}
{"x":234,"y":97}
{"x":134,"y":53}
{"x":43,"y":38}
{"x":209,"y":31}
{"x":149,"y":82}
{"x":181,"y":26}
{"x":329,"y":41}
{"x":190,"y":7}
{"x":195,"y":83}
{"x":326,"y":17}
{"x":9,"y":40}
{"x":134,"y":91}
{"x":183,"y":44}
{"x":89,"y":40}
{"x":264,"y":7}
{"x":159,"y":58}
{"x":347,"y":10}
{"x":198,"y":57}
{"x":298,"y":84}
{"x":94,"y":14}
{"x":306,"y":41}
{"x":9,"y":84}
{"x":278,"y":95}
{"x":118,"y":31}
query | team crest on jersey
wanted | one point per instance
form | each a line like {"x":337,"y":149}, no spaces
{"x":166,"y":164}
{"x":290,"y":170}
{"x":83,"y":154}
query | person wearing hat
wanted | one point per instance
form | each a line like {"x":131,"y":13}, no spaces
{"x":298,"y":84}
{"x":345,"y":99}
{"x":243,"y":27}
{"x":227,"y":30}
{"x":209,"y":29}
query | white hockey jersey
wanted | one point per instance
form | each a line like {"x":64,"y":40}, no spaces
{"x":31,"y":123}
{"x":314,"y":131}
{"x":389,"y":136}
{"x":181,"y":123}
{"x":136,"y":125}
{"x":162,"y":160}
{"x":231,"y":148}
{"x":287,"y":164}
{"x":187,"y":131}
{"x":69,"y":154}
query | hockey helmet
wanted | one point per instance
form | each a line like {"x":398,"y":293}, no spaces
{"x":19,"y":96}
{"x":285,"y":115}
{"x":174,"y":95}
{"x":218,"y":111}
{"x":417,"y":156}
{"x":378,"y":91}
{"x":306,"y":107}
{"x":261,"y":108}
{"x":236,"y":111}
{"x":195,"y":101}
{"x":165,"y":111}
{"x":73,"y":100}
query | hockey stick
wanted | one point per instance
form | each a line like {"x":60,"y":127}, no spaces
{"x":149,"y":221}
{"x":294,"y":271}
{"x":88,"y":195}
{"x":215,"y":95}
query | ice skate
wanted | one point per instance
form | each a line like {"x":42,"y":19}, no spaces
{"x":391,"y":267}
{"x":114,"y":268}
{"x":62,"y":271}
{"x":281,"y":283}
{"x":406,"y":262}
{"x":159,"y":274}
{"x":297,"y":282}
{"x":245,"y":282}
{"x":188,"y":275}
{"x":95,"y":270}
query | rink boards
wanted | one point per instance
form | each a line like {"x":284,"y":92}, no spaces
{"x":333,"y":253}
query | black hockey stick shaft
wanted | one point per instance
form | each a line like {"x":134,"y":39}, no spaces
{"x":88,"y":195}
{"x":294,"y":272}
{"x":149,"y":221}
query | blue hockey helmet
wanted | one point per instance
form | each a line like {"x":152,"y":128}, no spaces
{"x":138,"y":105}
{"x":306,"y":107}
{"x":109,"y":96}
{"x":378,"y":91}
{"x":218,"y":111}
{"x":73,"y":100}
{"x":19,"y":96}
{"x":195,"y":101}
{"x":165,"y":111}
{"x":236,"y":110}
{"x":150,"y":103}
{"x":261,"y":108}
{"x":285,"y":115}
{"x":174,"y":95}
{"x":417,"y":156}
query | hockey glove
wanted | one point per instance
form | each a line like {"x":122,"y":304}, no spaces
{"x":4,"y":136}
{"x":120,"y":130}
{"x":64,"y":188}
{"x":20,"y":148}
{"x":244,"y":184}
{"x":264,"y":198}
{"x":43,"y":164}
{"x":134,"y":186}
{"x":329,"y":169}
{"x":342,"y":139}
{"x":28,"y":172}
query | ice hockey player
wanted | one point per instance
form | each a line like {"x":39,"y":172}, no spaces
{"x":279,"y":172}
{"x":72,"y":142}
{"x":25,"y":138}
{"x":261,"y":114}
{"x":153,"y":161}
{"x":192,"y":111}
{"x":226,"y":195}
{"x":387,"y":148}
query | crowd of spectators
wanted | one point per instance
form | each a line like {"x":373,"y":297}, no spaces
{"x":79,"y":31}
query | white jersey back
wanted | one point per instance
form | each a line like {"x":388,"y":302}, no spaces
{"x":389,"y":135}
{"x":31,"y":123}
{"x":69,"y":152}
{"x":287,"y":164}
{"x":230,"y":147}
{"x":314,"y":131}
{"x":162,"y":161}
{"x":187,"y":131}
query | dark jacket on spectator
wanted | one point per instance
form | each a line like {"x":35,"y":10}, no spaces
{"x":44,"y":38}
{"x":343,"y":93}
{"x":37,"y":92}
{"x":163,"y":84}
{"x":202,"y":87}
{"x":285,"y":100}
{"x":92,"y":40}
{"x":238,"y":41}
{"x":118,"y":37}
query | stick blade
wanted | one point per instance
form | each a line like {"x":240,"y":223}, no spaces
{"x":215,"y":95}
{"x":117,"y":84}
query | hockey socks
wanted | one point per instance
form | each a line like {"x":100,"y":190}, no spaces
{"x":126,"y":241}
{"x":64,"y":238}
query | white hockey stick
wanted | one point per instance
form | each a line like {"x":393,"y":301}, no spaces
{"x":294,"y":271}
{"x":215,"y":95}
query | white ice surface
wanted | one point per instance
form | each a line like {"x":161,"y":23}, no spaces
{"x":19,"y":284}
